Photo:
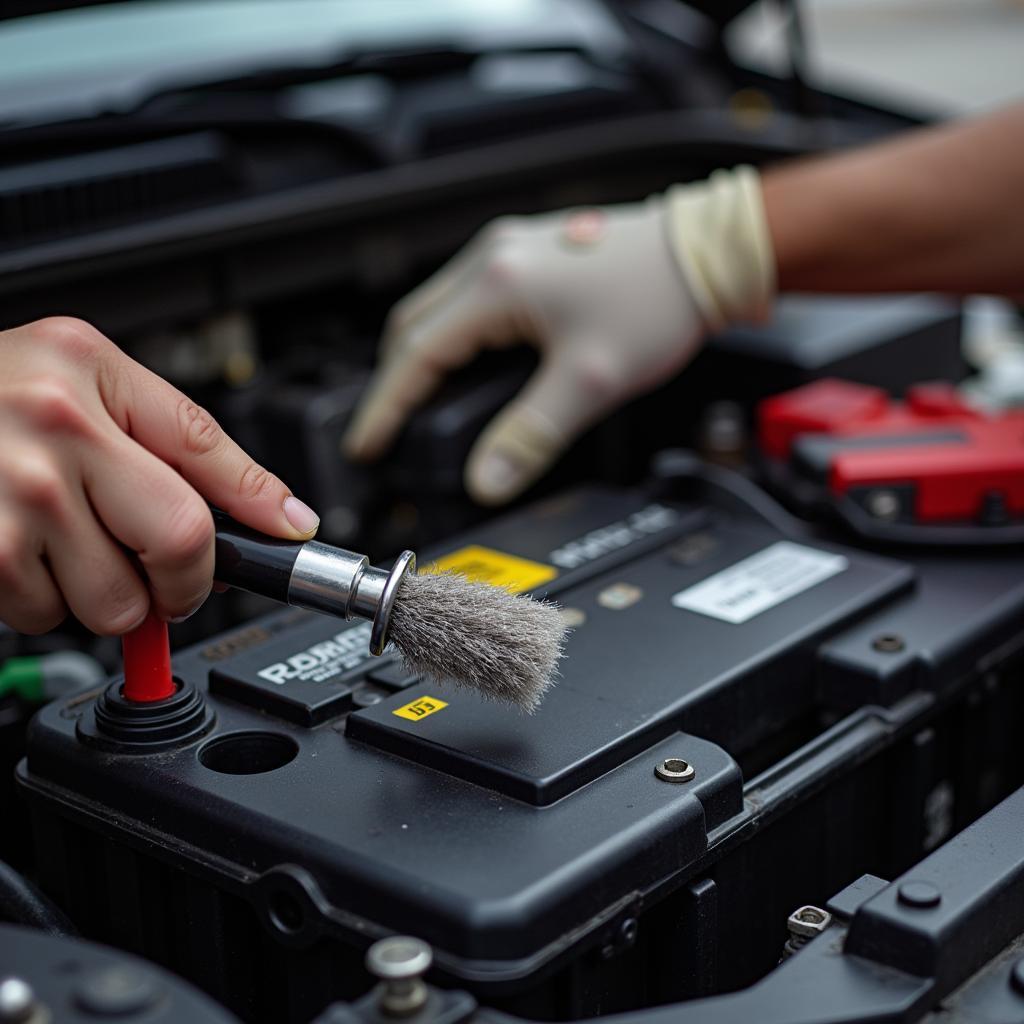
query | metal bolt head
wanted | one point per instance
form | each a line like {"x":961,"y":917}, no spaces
{"x":674,"y":769}
{"x":17,"y":1001}
{"x":883,"y":504}
{"x":888,"y":643}
{"x":118,"y":990}
{"x":400,"y":962}
{"x":399,"y":958}
{"x":693,"y":549}
{"x":617,"y":597}
{"x":808,"y":921}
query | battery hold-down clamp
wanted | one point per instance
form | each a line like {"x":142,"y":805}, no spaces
{"x":147,"y":709}
{"x":927,"y":470}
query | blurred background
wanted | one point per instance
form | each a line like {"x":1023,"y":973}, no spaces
{"x":949,"y":56}
{"x":237,"y":191}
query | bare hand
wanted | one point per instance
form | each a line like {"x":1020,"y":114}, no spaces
{"x":105,"y":475}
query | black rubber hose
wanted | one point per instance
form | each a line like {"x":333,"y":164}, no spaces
{"x":678,"y":464}
{"x":22,"y":903}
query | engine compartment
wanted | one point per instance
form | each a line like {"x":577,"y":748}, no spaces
{"x":244,"y":236}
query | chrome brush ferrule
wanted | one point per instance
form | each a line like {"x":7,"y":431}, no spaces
{"x":343,"y":583}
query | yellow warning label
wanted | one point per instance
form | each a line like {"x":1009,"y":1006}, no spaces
{"x":420,"y":708}
{"x":495,"y":567}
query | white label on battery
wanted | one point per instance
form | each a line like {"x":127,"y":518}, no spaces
{"x":760,"y":582}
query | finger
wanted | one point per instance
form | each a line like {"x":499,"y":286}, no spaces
{"x":393,"y":395}
{"x":441,"y":286}
{"x":426,"y":354}
{"x":186,"y":437}
{"x":100,"y":585}
{"x":29,"y":599}
{"x":150,"y":509}
{"x":557,"y":404}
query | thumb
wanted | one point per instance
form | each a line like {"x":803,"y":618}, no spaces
{"x":529,"y":434}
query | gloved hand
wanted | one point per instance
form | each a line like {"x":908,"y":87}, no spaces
{"x":104,"y":468}
{"x":616,"y":299}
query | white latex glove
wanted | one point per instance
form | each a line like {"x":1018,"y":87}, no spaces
{"x":617,"y":300}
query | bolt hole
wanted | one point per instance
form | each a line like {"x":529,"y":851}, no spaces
{"x":248,"y":753}
{"x":810,"y":917}
{"x":285,"y":912}
{"x":676,"y":764}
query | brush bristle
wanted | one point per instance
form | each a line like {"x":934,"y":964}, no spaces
{"x":506,"y":646}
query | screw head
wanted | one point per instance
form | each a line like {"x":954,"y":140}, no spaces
{"x":888,"y":643}
{"x":116,"y":991}
{"x":17,"y":1001}
{"x":693,"y":549}
{"x":617,"y":597}
{"x":883,"y":504}
{"x":808,"y":921}
{"x":572,"y":617}
{"x":674,"y":769}
{"x":919,"y":895}
{"x":399,"y":958}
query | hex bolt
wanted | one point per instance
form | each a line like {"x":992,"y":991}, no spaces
{"x":883,"y":504}
{"x":803,"y":925}
{"x":17,"y":1001}
{"x":674,"y":769}
{"x":888,"y":643}
{"x":400,"y":963}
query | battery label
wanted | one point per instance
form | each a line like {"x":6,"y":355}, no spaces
{"x":420,"y":708}
{"x":322,"y":661}
{"x":615,"y":536}
{"x":485,"y":565}
{"x":760,"y":582}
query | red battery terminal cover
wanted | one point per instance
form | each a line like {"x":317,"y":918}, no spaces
{"x":147,"y":662}
{"x":950,"y":455}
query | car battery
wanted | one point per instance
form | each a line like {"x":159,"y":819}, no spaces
{"x":746,"y":721}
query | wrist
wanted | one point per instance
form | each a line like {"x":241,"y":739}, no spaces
{"x":719,"y":235}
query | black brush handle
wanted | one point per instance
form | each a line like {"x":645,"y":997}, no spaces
{"x":252,"y":561}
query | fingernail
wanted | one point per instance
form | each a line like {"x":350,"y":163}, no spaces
{"x":300,"y":515}
{"x":138,"y":622}
{"x":355,"y":445}
{"x":496,"y":477}
{"x":175,"y":619}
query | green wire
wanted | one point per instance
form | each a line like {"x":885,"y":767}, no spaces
{"x":23,"y":676}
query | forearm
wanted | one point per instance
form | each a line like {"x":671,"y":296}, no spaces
{"x":940,"y":209}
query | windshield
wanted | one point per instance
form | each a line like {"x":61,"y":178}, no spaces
{"x":109,"y":57}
